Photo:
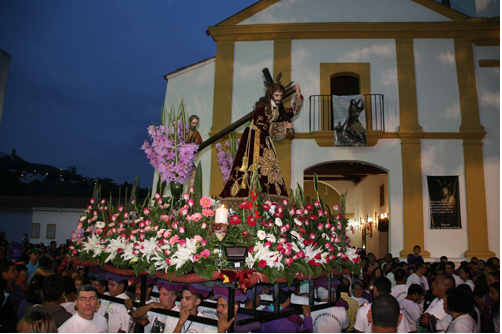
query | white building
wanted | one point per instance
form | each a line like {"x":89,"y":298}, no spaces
{"x":438,"y":70}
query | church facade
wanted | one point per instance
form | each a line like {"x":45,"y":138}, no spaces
{"x":436,"y":72}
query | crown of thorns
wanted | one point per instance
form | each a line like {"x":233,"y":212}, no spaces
{"x":278,"y":82}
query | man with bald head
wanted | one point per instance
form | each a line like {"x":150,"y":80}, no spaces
{"x":440,"y":285}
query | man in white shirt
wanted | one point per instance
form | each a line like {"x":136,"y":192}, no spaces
{"x":441,"y":284}
{"x":401,"y":289}
{"x":156,"y":322}
{"x":119,"y":319}
{"x":450,"y":269}
{"x":410,"y":306}
{"x":418,"y":276}
{"x":385,"y":315}
{"x":190,"y":300}
{"x":85,"y":320}
{"x":465,"y":274}
{"x":329,"y":320}
{"x":363,"y":324}
{"x":390,"y":275}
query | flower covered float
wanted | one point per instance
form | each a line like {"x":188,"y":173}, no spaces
{"x":153,"y":236}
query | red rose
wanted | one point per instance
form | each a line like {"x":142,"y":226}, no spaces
{"x":235,"y":220}
{"x":262,"y":264}
{"x":318,"y":256}
{"x":312,"y":262}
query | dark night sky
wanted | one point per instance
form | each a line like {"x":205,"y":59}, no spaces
{"x":86,"y":77}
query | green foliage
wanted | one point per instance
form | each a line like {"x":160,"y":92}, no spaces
{"x":198,"y":187}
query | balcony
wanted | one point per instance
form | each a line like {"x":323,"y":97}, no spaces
{"x":322,"y":122}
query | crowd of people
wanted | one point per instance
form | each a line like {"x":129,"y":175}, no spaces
{"x":388,"y":296}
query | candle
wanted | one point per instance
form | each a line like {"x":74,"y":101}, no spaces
{"x":221,"y":215}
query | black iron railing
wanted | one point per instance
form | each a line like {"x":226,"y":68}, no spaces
{"x":321,"y":112}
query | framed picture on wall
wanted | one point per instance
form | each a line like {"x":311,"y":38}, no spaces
{"x":51,"y":231}
{"x":35,"y":230}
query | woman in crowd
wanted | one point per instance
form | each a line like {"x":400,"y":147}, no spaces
{"x":459,"y":307}
{"x":377,"y":273}
{"x":33,"y":296}
{"x":37,"y":322}
{"x":357,"y":292}
{"x":495,"y":311}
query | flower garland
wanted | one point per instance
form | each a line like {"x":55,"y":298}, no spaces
{"x":153,"y":236}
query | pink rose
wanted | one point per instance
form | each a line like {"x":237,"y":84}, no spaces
{"x":182,"y":229}
{"x":196,"y":258}
{"x":168,"y":261}
{"x":288,"y":261}
{"x":198,"y":238}
{"x":186,"y":197}
{"x":190,"y":202}
{"x":121,"y":208}
{"x":196,"y":217}
{"x":167,"y":234}
{"x":203,"y":242}
{"x":191,"y":190}
{"x":146,"y":211}
{"x":92,"y":200}
{"x":205,"y":253}
{"x":336,"y":207}
{"x":203,"y":225}
{"x":182,"y":242}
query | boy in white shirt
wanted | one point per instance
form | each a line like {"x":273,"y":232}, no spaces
{"x":418,"y":277}
{"x":401,"y":289}
{"x":410,"y":306}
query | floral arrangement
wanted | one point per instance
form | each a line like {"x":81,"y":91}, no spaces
{"x":169,"y":149}
{"x":306,"y":238}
